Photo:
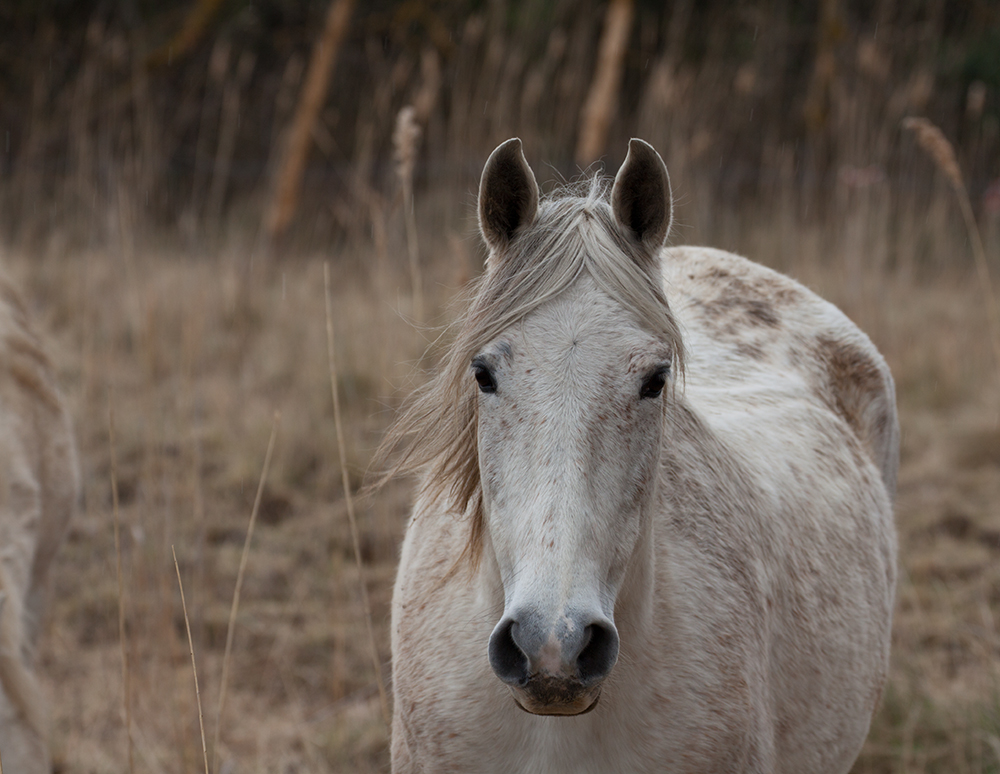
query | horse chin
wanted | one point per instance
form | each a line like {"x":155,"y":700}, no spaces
{"x":552,"y":699}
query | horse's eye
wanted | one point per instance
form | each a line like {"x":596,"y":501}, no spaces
{"x":484,"y":378}
{"x":654,"y":383}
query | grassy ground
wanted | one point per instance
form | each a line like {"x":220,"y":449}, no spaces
{"x":196,"y":353}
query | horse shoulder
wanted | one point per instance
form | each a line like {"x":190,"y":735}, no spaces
{"x":443,"y":688}
{"x":855,"y":382}
{"x":757,"y":321}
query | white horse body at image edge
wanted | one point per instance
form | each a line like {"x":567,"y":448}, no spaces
{"x":654,"y":528}
{"x":39,"y":485}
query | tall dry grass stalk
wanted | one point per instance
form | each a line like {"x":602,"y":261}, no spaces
{"x":349,"y":500}
{"x":285,"y":198}
{"x":194,"y":666}
{"x":215,"y":79}
{"x":234,"y":608}
{"x":936,"y":145}
{"x":430,"y":87}
{"x":228,"y":124}
{"x":819,"y":96}
{"x":595,"y":119}
{"x":404,"y":140}
{"x":126,"y":673}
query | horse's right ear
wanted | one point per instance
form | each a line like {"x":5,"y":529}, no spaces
{"x":508,"y":195}
{"x":640,"y":197}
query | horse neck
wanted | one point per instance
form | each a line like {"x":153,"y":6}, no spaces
{"x":637,"y":611}
{"x":635,"y":608}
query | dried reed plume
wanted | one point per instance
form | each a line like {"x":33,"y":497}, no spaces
{"x":239,"y":585}
{"x":126,"y":674}
{"x":404,"y":141}
{"x":936,"y":145}
{"x":194,"y":666}
{"x":349,"y":500}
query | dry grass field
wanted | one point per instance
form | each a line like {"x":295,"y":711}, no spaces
{"x":136,"y":175}
{"x":195,"y":354}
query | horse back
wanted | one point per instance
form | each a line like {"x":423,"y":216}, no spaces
{"x":758,"y":325}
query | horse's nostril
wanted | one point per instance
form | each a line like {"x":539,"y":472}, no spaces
{"x":599,"y":654}
{"x":520,"y":651}
{"x":507,"y":659}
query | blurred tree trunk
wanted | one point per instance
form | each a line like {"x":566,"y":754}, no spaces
{"x":603,"y":97}
{"x":820,"y":109}
{"x":819,"y":98}
{"x":285,"y":197}
{"x":195,"y":26}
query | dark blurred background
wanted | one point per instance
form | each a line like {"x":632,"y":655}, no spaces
{"x":183,"y":107}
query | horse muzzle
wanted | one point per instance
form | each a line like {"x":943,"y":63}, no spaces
{"x":556,"y":669}
{"x":546,"y":695}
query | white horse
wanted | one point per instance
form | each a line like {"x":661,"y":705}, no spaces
{"x":649,"y":536}
{"x":39,"y":481}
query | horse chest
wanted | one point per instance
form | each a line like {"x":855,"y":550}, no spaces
{"x":453,"y":715}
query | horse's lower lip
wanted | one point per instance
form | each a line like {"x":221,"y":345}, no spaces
{"x":580,"y":706}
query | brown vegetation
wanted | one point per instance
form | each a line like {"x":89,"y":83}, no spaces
{"x":132,"y":204}
{"x":200,"y":357}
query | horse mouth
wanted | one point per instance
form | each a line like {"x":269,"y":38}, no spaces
{"x":553,"y":696}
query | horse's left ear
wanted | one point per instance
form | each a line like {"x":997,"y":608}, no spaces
{"x":640,"y":198}
{"x":508,"y":195}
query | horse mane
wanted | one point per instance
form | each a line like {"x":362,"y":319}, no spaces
{"x":574,"y":232}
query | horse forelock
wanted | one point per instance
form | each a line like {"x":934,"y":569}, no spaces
{"x":574,"y":232}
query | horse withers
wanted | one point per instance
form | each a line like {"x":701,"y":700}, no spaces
{"x":653,"y":529}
